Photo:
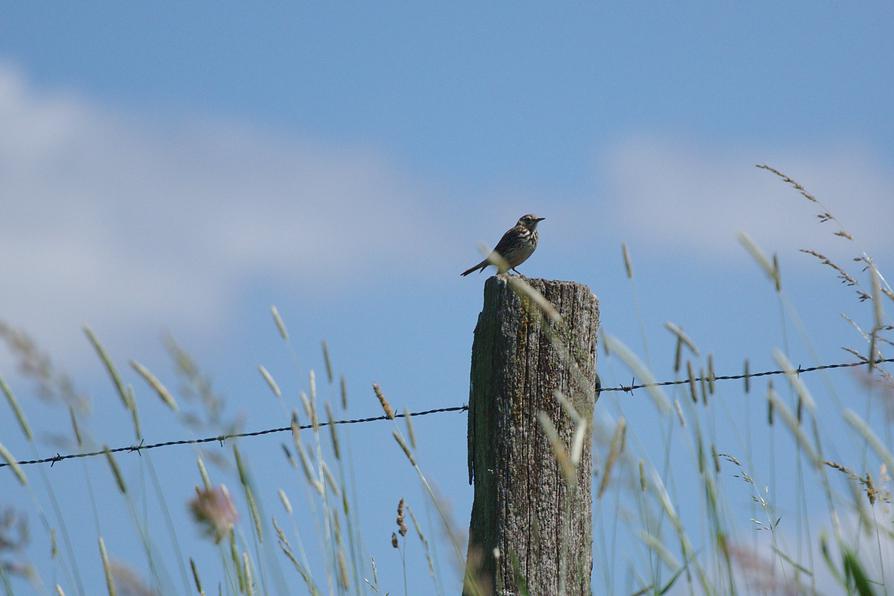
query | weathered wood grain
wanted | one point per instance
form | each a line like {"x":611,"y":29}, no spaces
{"x":523,"y":506}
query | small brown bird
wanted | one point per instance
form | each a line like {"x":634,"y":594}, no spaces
{"x":515,"y":246}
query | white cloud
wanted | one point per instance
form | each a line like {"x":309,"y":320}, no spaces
{"x":692,"y":199}
{"x":137,"y":225}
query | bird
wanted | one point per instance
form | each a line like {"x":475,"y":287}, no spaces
{"x":516,"y":245}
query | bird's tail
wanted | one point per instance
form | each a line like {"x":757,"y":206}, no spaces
{"x":479,"y":267}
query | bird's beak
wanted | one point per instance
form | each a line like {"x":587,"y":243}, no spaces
{"x":540,"y":219}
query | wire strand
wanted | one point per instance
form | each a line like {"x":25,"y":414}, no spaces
{"x":751,"y":375}
{"x":257,"y":433}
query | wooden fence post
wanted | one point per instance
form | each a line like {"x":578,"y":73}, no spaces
{"x":538,"y":524}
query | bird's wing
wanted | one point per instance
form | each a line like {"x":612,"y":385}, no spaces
{"x":504,"y":246}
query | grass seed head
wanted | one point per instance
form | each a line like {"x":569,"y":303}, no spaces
{"x":615,"y":449}
{"x":116,"y":471}
{"x":563,"y":458}
{"x":403,"y":445}
{"x":679,"y":411}
{"x":156,"y":385}
{"x":411,"y":433}
{"x":343,"y":386}
{"x":333,"y":433}
{"x":693,"y":393}
{"x":343,"y":570}
{"x":760,"y":258}
{"x":642,"y":476}
{"x":327,"y":360}
{"x":746,"y":372}
{"x":203,"y":472}
{"x":401,"y":523}
{"x":284,"y":499}
{"x":110,"y":368}
{"x":280,"y":325}
{"x":389,"y":411}
{"x":682,"y":337}
{"x":13,"y":465}
{"x":74,"y":426}
{"x":271,"y":382}
{"x":195,"y":576}
{"x":628,"y":265}
{"x":107,"y":568}
{"x":17,"y":410}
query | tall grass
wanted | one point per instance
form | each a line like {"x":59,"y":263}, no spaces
{"x":689,"y":496}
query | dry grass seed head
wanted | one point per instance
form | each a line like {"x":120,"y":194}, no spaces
{"x":693,"y":392}
{"x":559,"y":453}
{"x":845,"y":277}
{"x":75,"y":429}
{"x":640,"y":371}
{"x":760,"y":258}
{"x":343,"y":570}
{"x":327,"y":361}
{"x":271,"y":382}
{"x":53,"y":385}
{"x":389,"y":411}
{"x":280,"y":325}
{"x":679,"y":411}
{"x":682,"y":337}
{"x":110,"y":368}
{"x":155,"y":384}
{"x":411,"y":433}
{"x":401,"y":523}
{"x":195,"y":576}
{"x":614,"y":451}
{"x":13,"y":465}
{"x":746,"y":373}
{"x":116,"y":471}
{"x":16,"y":409}
{"x":333,"y":433}
{"x":628,"y":265}
{"x":404,"y":447}
{"x":330,"y":479}
{"x":106,"y":567}
{"x":343,"y":387}
{"x":284,"y":499}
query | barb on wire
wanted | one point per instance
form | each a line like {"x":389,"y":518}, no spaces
{"x":221,"y":438}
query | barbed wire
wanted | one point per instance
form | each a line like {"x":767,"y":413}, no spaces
{"x":743,"y":376}
{"x":224,"y":437}
{"x":137,"y":448}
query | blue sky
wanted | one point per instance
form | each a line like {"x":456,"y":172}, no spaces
{"x":184,"y":167}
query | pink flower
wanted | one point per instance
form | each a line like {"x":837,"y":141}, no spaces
{"x":213,"y":509}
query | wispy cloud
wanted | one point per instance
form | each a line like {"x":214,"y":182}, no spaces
{"x":693,"y":199}
{"x":137,"y":223}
